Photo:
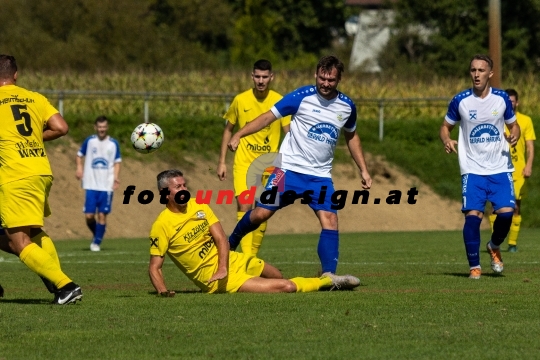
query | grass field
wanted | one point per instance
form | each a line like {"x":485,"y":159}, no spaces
{"x":415,"y":301}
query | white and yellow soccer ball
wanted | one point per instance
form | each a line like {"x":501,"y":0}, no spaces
{"x":147,"y":138}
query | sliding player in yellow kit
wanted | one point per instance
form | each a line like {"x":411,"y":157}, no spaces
{"x":244,"y":108}
{"x":193,"y":238}
{"x":522,"y":158}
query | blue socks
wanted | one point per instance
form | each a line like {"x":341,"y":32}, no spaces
{"x":501,"y":227}
{"x":100,"y":231}
{"x":243,"y":227}
{"x":92,"y":226}
{"x":471,"y":236}
{"x":328,"y":250}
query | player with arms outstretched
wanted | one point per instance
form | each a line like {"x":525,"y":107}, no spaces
{"x":192,"y":236}
{"x":244,"y":108}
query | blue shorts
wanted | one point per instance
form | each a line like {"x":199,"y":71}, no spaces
{"x":497,"y":189}
{"x":289,"y":186}
{"x":98,"y":201}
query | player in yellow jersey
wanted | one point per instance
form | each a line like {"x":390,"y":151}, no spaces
{"x":27,"y":119}
{"x":244,"y":108}
{"x":192,"y":236}
{"x":522,"y":158}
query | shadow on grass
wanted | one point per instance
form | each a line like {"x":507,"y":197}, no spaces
{"x":465,"y":275}
{"x":27,"y":301}
{"x":183,"y":291}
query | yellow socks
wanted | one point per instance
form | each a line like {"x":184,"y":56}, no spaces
{"x":42,"y":264}
{"x":514,"y":230}
{"x":311,"y":284}
{"x":492,"y":218}
{"x":247,"y":240}
{"x":44,"y":241}
{"x":258,"y":236}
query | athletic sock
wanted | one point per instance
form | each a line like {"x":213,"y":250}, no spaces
{"x":100,"y":232}
{"x":243,"y":227}
{"x":471,"y":237}
{"x":310,"y":284}
{"x":45,"y":242}
{"x":247,"y":241}
{"x":492,"y":218}
{"x":92,"y":226}
{"x":514,"y":230}
{"x":501,"y":227}
{"x":328,"y":250}
{"x":258,"y":236}
{"x":42,"y":264}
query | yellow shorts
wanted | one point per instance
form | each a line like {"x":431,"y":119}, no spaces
{"x":520,"y":188}
{"x":241,"y":269}
{"x":240,"y":174}
{"x":25,"y":202}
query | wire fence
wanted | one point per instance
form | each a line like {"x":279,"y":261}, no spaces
{"x":380,"y":109}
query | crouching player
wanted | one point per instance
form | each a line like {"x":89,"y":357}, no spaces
{"x":193,"y":238}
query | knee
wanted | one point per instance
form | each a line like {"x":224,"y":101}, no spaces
{"x":289,"y":286}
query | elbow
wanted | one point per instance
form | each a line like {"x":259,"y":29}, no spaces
{"x":64,"y":129}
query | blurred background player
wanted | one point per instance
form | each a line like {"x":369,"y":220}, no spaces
{"x":99,"y":178}
{"x":318,"y":114}
{"x":193,"y":238}
{"x":484,"y":159}
{"x":244,"y":108}
{"x":522,"y":158}
{"x":27,"y":120}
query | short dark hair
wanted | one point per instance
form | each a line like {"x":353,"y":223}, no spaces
{"x":8,"y":66}
{"x":164,"y":177}
{"x":101,"y":118}
{"x":263,"y":65}
{"x":327,"y":63}
{"x":512,"y":92}
{"x":484,"y":57}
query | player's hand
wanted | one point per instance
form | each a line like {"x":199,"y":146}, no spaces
{"x":79,"y":174}
{"x":366,"y":180}
{"x":167,"y":293}
{"x":220,"y":274}
{"x":450,"y":146}
{"x":512,"y":140}
{"x":116,"y":183}
{"x":233,"y":143}
{"x":527,"y":172}
{"x":222,"y":171}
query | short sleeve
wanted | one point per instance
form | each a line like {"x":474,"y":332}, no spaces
{"x":159,"y":240}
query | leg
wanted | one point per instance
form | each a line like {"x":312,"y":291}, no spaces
{"x":91,"y":222}
{"x":261,"y":285}
{"x":271,"y":272}
{"x":328,"y":248}
{"x":100,"y":229}
{"x":251,"y":221}
{"x":471,"y":238}
{"x":514,"y":228}
{"x":247,"y":240}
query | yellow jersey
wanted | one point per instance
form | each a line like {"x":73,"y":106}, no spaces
{"x":245,"y":108}
{"x":519,"y":151}
{"x":186,"y":238}
{"x":23,"y":116}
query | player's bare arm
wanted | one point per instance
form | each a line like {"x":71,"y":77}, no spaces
{"x":116,"y":171}
{"x":252,"y":127}
{"x":514,"y":135}
{"x":444,"y":134}
{"x":222,"y":245}
{"x":55,"y":128}
{"x":79,"y":172}
{"x":156,"y":275}
{"x":529,"y":144}
{"x":355,"y":148}
{"x":222,"y":167}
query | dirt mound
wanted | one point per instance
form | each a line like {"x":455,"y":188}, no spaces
{"x":430,"y":212}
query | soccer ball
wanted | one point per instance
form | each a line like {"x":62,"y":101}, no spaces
{"x":147,"y":138}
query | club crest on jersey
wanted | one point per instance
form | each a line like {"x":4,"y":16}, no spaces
{"x":200,"y":215}
{"x":494,"y":112}
{"x":485,"y":133}
{"x":324,"y":132}
{"x":340,"y":117}
{"x":473,"y":114}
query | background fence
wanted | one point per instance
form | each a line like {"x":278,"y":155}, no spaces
{"x":152,"y":105}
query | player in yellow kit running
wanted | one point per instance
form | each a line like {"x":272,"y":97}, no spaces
{"x":522,"y":158}
{"x":27,"y":119}
{"x":193,"y":238}
{"x":244,"y":108}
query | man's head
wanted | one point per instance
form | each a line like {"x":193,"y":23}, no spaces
{"x":8,"y":70}
{"x":514,"y":98}
{"x":328,"y":76}
{"x":262,"y":76}
{"x":101,"y":125}
{"x":174,"y":181}
{"x":481,"y":70}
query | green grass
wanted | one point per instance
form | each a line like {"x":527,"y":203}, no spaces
{"x":415,"y":302}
